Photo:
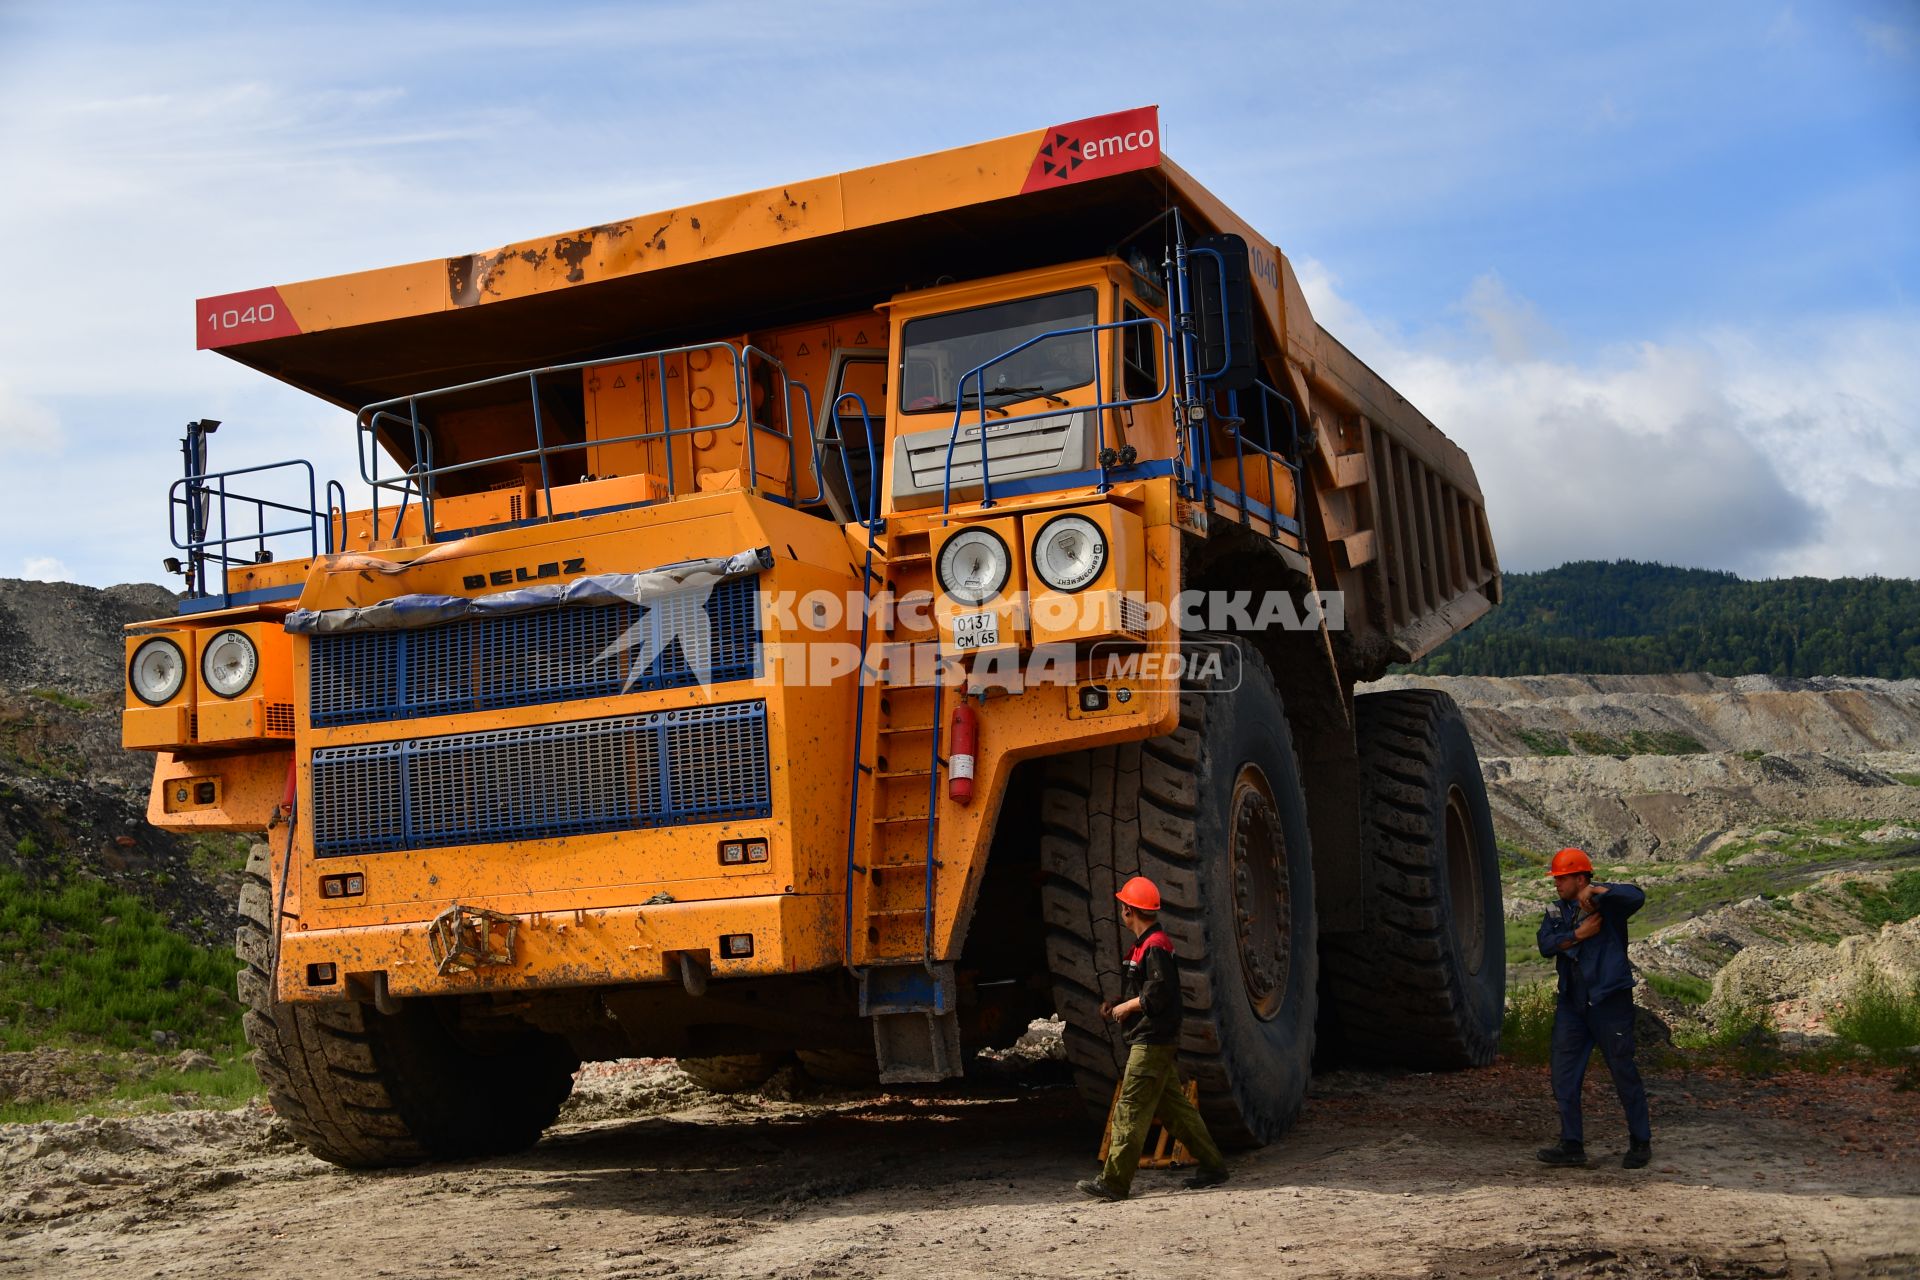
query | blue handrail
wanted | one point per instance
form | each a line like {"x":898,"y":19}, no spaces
{"x":869,"y":520}
{"x":866,"y":513}
{"x":201,"y":545}
{"x":419,"y":477}
{"x":1099,"y":408}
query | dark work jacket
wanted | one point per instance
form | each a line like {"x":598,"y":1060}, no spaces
{"x":1152,"y":976}
{"x":1593,"y":969}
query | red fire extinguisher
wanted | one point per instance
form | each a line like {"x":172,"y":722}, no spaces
{"x":960,"y":758}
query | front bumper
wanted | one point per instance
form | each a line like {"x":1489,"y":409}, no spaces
{"x":791,"y":933}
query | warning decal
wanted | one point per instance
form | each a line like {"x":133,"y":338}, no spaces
{"x":1096,"y":148}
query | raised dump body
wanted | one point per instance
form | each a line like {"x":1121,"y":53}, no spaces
{"x":752,"y":596}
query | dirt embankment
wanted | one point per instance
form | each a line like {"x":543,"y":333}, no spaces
{"x":71,"y":799}
{"x":1657,"y":767}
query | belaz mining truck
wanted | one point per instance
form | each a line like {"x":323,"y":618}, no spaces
{"x":777,"y":625}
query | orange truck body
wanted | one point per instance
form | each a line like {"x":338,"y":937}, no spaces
{"x":670,"y":426}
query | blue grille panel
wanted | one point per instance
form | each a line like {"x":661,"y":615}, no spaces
{"x":623,"y":773}
{"x":559,"y":655}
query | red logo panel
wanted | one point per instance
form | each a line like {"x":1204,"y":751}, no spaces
{"x":1096,"y":148}
{"x":233,"y":318}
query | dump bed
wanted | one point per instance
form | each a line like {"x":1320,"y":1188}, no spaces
{"x":1396,"y":515}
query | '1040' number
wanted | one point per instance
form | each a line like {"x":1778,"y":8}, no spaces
{"x":233,"y":318}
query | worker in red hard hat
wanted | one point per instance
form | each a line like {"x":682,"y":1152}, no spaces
{"x":1585,"y":935}
{"x":1149,"y":1010}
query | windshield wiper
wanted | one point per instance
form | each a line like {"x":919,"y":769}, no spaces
{"x":1041,"y":392}
{"x":971,"y":399}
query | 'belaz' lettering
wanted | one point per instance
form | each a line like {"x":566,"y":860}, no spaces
{"x":525,"y":573}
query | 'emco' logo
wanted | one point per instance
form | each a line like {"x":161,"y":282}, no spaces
{"x":525,"y":573}
{"x":1096,"y":148}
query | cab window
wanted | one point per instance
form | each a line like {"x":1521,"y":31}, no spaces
{"x":938,"y":351}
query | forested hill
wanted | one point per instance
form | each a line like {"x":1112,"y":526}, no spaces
{"x":1627,"y":617}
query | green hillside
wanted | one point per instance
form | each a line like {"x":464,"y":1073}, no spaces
{"x":1629,"y":617}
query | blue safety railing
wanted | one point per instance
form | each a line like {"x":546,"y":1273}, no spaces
{"x":1198,"y":410}
{"x":1106,"y":460}
{"x":217,"y":528}
{"x":402,"y":414}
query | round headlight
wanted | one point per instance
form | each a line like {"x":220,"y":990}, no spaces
{"x":228,"y":662}
{"x":974,"y":566}
{"x":1069,"y":553}
{"x":157,"y":671}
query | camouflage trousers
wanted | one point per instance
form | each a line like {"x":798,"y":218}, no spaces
{"x":1152,"y":1085}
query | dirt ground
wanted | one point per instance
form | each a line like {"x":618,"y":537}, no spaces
{"x":1386,"y":1175}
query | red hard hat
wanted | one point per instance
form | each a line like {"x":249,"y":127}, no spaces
{"x":1570,"y":862}
{"x":1140,"y":893}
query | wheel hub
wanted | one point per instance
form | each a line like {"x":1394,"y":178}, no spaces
{"x":1262,"y":892}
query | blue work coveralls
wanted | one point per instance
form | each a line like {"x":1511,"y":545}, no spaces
{"x":1595,"y":1007}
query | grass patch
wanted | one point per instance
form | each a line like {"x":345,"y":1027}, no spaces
{"x":59,"y":699}
{"x":1526,"y":1033}
{"x":1517,"y":857}
{"x":1907,"y":779}
{"x":214,"y":854}
{"x":1682,"y":988}
{"x":81,"y":961}
{"x":1638,"y":742}
{"x":229,"y":1083}
{"x":1542,"y":743}
{"x":1899,"y":901}
{"x":1751,"y":755}
{"x":1880,"y":1019}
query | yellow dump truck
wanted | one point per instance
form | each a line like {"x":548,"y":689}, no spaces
{"x":775,"y":626}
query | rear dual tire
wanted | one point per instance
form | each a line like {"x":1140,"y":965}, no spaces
{"x":1425,"y":984}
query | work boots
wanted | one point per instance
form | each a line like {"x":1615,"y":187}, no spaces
{"x":1205,"y":1178}
{"x":1566,"y":1153}
{"x":1098,"y":1189}
{"x":1638,"y":1154}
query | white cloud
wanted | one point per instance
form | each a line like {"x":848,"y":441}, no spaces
{"x":1765,"y":452}
{"x":46,"y":569}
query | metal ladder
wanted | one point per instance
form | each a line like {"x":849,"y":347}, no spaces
{"x":893,"y":828}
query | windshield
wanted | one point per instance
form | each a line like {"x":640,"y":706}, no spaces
{"x":940,"y":350}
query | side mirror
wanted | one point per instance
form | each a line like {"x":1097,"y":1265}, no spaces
{"x":1219,"y":278}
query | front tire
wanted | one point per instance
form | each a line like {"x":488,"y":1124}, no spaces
{"x":365,"y":1090}
{"x":1425,"y":984}
{"x":1214,"y":814}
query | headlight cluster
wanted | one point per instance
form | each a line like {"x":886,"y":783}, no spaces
{"x":157,"y":671}
{"x":228,"y":663}
{"x":1069,"y":553}
{"x":974,"y":566}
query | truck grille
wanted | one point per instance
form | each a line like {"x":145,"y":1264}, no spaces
{"x":555,"y":655}
{"x":623,"y":773}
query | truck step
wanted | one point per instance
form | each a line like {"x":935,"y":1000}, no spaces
{"x":916,"y":1029}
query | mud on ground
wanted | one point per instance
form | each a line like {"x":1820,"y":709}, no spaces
{"x":1386,"y":1175}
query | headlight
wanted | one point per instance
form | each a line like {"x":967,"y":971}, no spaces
{"x":974,"y":566}
{"x":157,"y":671}
{"x":228,"y":663}
{"x":1069,"y":553}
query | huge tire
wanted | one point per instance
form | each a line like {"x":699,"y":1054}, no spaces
{"x":1425,"y":984}
{"x":733,"y":1072}
{"x":365,"y":1090}
{"x":1213,"y":813}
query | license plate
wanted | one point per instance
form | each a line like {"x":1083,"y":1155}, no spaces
{"x":975,"y":630}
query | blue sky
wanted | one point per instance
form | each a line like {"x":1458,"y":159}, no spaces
{"x":1655,"y":265}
